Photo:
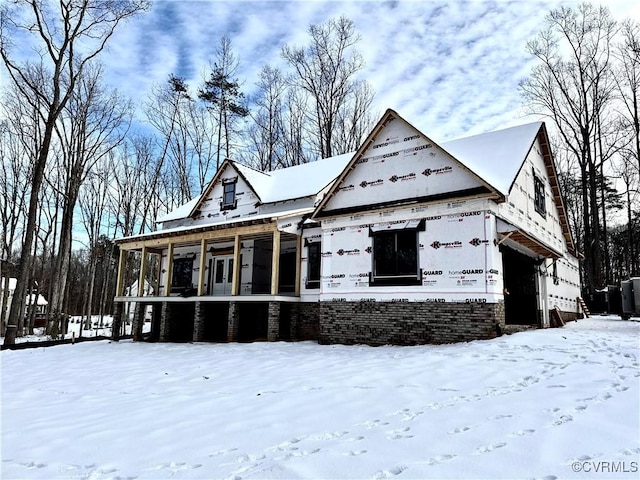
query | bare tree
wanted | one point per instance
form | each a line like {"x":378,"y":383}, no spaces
{"x":65,"y":40}
{"x":575,"y":92}
{"x":326,"y":70}
{"x":627,"y":77}
{"x":267,"y":132}
{"x":94,"y":121}
{"x":168,"y":110}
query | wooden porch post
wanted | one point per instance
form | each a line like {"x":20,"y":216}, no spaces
{"x":201,"y":272}
{"x":298,"y":264}
{"x":158,"y":275}
{"x":169,"y":271}
{"x":275,"y":262}
{"x":121,"y":265}
{"x":143,"y":272}
{"x":235,"y":275}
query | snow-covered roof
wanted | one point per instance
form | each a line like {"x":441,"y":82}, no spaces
{"x":181,"y":212}
{"x":204,"y":226}
{"x":294,"y":182}
{"x":496,"y":157}
{"x":38,"y":300}
{"x":12,"y":284}
{"x":289,"y":183}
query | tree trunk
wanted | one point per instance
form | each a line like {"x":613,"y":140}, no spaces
{"x":17,"y":305}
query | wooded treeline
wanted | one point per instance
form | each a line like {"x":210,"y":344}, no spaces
{"x":78,"y":164}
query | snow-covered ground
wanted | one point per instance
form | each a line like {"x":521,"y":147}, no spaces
{"x":556,"y":403}
{"x":73,"y":331}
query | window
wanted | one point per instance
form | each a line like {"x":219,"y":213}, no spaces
{"x":395,"y":257}
{"x":539,"y":202}
{"x":228,"y":195}
{"x":182,"y":273}
{"x":313,"y":265}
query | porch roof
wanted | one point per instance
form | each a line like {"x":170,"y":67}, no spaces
{"x":518,"y":235}
{"x":189,"y":231}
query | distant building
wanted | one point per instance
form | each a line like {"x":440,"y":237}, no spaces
{"x":33,"y":301}
{"x":405,"y":241}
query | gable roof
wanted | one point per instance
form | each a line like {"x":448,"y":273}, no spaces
{"x":496,"y":156}
{"x":392,"y":115}
{"x":291,"y":183}
{"x":294,"y":182}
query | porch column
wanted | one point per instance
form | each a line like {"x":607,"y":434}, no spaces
{"x":275,"y":262}
{"x":165,"y":322}
{"x":116,"y":322}
{"x":298,"y":265}
{"x":143,"y":272}
{"x":169,"y":271}
{"x":158,"y":275}
{"x":201,"y":272}
{"x":273,"y":321}
{"x":138,"y":321}
{"x":232,"y":322}
{"x":235,"y":275}
{"x":198,"y":323}
{"x":121,"y":265}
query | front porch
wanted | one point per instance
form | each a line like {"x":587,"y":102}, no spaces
{"x":250,"y":258}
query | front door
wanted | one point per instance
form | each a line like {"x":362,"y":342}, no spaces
{"x":222,"y":274}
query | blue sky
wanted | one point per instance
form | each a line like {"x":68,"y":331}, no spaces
{"x":451,"y":67}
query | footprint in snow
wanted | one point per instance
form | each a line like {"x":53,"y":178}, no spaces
{"x":440,"y":458}
{"x":329,"y":435}
{"x":490,"y":448}
{"x":398,"y":434}
{"x":370,"y":424}
{"x":459,"y":430}
{"x":408,"y":414}
{"x":33,"y":465}
{"x":500,"y":417}
{"x":563,"y":419}
{"x":222,"y":452}
{"x":391,"y":472}
{"x":354,"y":453}
{"x":522,"y":433}
{"x":630,"y":451}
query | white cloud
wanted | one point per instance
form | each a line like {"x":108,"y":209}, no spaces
{"x":452,"y":65}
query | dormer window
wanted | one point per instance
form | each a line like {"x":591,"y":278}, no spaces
{"x":538,"y":199}
{"x":229,"y":195}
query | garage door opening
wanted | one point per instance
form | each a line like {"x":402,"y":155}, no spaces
{"x":520,"y":300}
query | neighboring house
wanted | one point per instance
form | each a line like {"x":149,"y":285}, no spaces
{"x":12,"y":288}
{"x":404,"y":241}
{"x":33,"y":301}
{"x":133,"y":291}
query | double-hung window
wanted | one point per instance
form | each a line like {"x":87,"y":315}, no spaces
{"x":228,"y":195}
{"x":395,"y":255}
{"x":538,"y":199}
{"x":182,"y":274}
{"x":313,"y":265}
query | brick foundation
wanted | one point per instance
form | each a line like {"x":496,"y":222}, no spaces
{"x":307,"y":321}
{"x":116,"y":323}
{"x":380,"y":323}
{"x":138,"y":321}
{"x":273,"y":321}
{"x":233,"y":321}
